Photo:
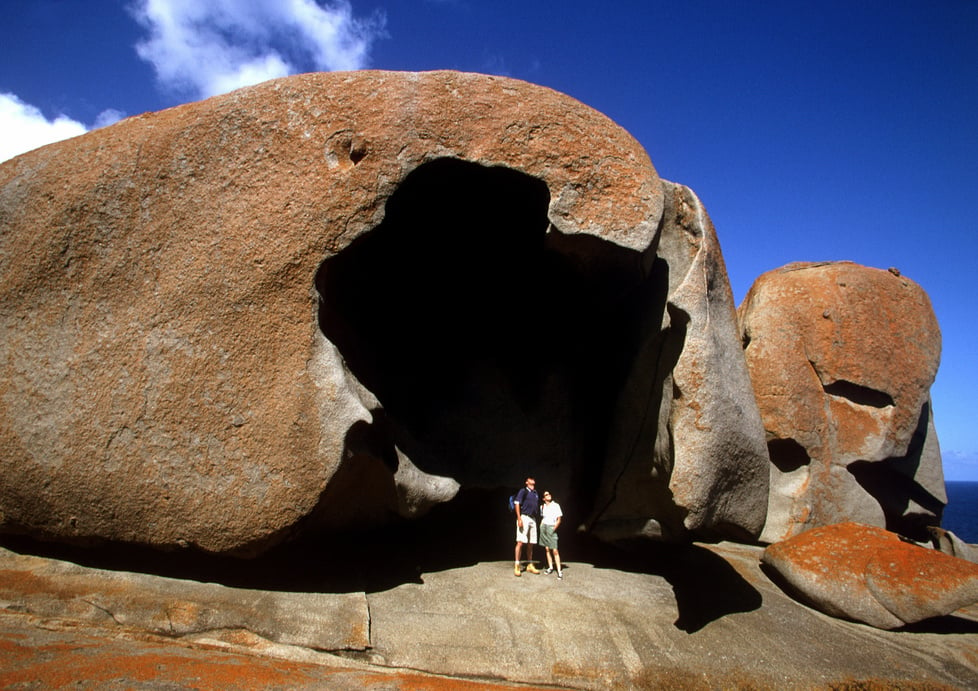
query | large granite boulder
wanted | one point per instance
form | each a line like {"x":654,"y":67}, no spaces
{"x":334,"y":299}
{"x":842,"y":358}
{"x":870,"y":575}
{"x":707,"y":467}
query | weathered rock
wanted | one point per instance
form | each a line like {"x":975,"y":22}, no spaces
{"x":870,"y":575}
{"x":173,"y":607}
{"x":685,"y":617}
{"x":334,"y":298}
{"x":842,"y":358}
{"x":698,"y":456}
{"x":949,"y":543}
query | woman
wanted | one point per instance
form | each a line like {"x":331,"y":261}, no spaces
{"x":550,"y":521}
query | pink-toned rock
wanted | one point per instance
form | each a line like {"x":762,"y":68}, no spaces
{"x":335,"y":299}
{"x":870,"y":575}
{"x":842,"y":358}
{"x":165,"y":378}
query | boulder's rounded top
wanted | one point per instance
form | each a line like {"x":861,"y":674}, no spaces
{"x":369,"y":129}
{"x":161,"y":311}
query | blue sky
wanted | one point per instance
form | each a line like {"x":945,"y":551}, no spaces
{"x":811,"y":130}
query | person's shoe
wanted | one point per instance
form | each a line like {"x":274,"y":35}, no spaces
{"x":549,"y":570}
{"x":516,"y":570}
{"x":560,"y":575}
{"x":532,"y":569}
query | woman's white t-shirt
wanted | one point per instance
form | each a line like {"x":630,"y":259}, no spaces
{"x":550,"y":512}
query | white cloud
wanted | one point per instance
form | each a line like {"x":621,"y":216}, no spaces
{"x":108,"y":117}
{"x":24,"y":127}
{"x":207,"y":48}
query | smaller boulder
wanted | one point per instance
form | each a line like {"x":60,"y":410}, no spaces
{"x":949,"y":543}
{"x":867,"y":574}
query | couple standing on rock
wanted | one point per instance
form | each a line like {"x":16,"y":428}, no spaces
{"x":526,"y":504}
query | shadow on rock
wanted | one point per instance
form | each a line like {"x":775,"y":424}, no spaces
{"x":707,"y":588}
{"x":369,"y":561}
{"x":473,"y":529}
{"x":946,"y":624}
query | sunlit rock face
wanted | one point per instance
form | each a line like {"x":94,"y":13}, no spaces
{"x":686,"y":436}
{"x":842,"y":358}
{"x":870,"y":575}
{"x":338,"y":299}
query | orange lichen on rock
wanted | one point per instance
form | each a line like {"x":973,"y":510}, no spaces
{"x":870,"y":575}
{"x":842,"y":358}
{"x":54,"y":659}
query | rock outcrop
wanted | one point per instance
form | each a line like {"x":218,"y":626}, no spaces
{"x":708,"y":458}
{"x":949,"y":543}
{"x":870,"y":575}
{"x":336,"y":298}
{"x":842,"y":358}
{"x":179,"y":607}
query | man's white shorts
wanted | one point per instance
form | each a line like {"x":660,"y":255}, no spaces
{"x":529,"y":532}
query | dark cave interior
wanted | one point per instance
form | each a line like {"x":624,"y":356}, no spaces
{"x":496,"y":344}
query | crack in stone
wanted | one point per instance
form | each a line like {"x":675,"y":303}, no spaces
{"x":103,"y":609}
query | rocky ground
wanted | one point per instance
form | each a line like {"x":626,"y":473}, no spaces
{"x":701,"y":616}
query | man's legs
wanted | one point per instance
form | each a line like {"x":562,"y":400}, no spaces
{"x":522,"y":537}
{"x":531,"y":539}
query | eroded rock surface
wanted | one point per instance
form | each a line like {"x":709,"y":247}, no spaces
{"x":180,"y":608}
{"x":698,"y":452}
{"x":842,"y":358}
{"x":870,"y":575}
{"x":337,"y":298}
{"x":949,"y":543}
{"x":692,"y":617}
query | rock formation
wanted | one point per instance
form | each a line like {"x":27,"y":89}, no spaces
{"x":702,"y":424}
{"x":949,"y":543}
{"x":870,"y":575}
{"x":338,"y":298}
{"x":842,"y":358}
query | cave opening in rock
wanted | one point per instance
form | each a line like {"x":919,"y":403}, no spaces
{"x":861,"y":395}
{"x":787,"y":455}
{"x":495,"y":343}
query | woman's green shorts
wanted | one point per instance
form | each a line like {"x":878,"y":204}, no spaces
{"x":548,"y":536}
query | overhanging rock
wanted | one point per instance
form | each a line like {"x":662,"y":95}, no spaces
{"x":338,"y":298}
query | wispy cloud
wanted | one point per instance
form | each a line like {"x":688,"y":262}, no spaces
{"x":108,"y":117}
{"x":25,"y":127}
{"x":202,"y":49}
{"x":496,"y":64}
{"x":960,"y":465}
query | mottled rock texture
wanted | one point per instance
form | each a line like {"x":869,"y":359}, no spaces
{"x":949,"y":543}
{"x":337,"y":298}
{"x":870,"y":575}
{"x":180,"y":608}
{"x":708,"y":456}
{"x":842,"y":358}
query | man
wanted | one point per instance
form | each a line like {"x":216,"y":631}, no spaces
{"x":526,"y":505}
